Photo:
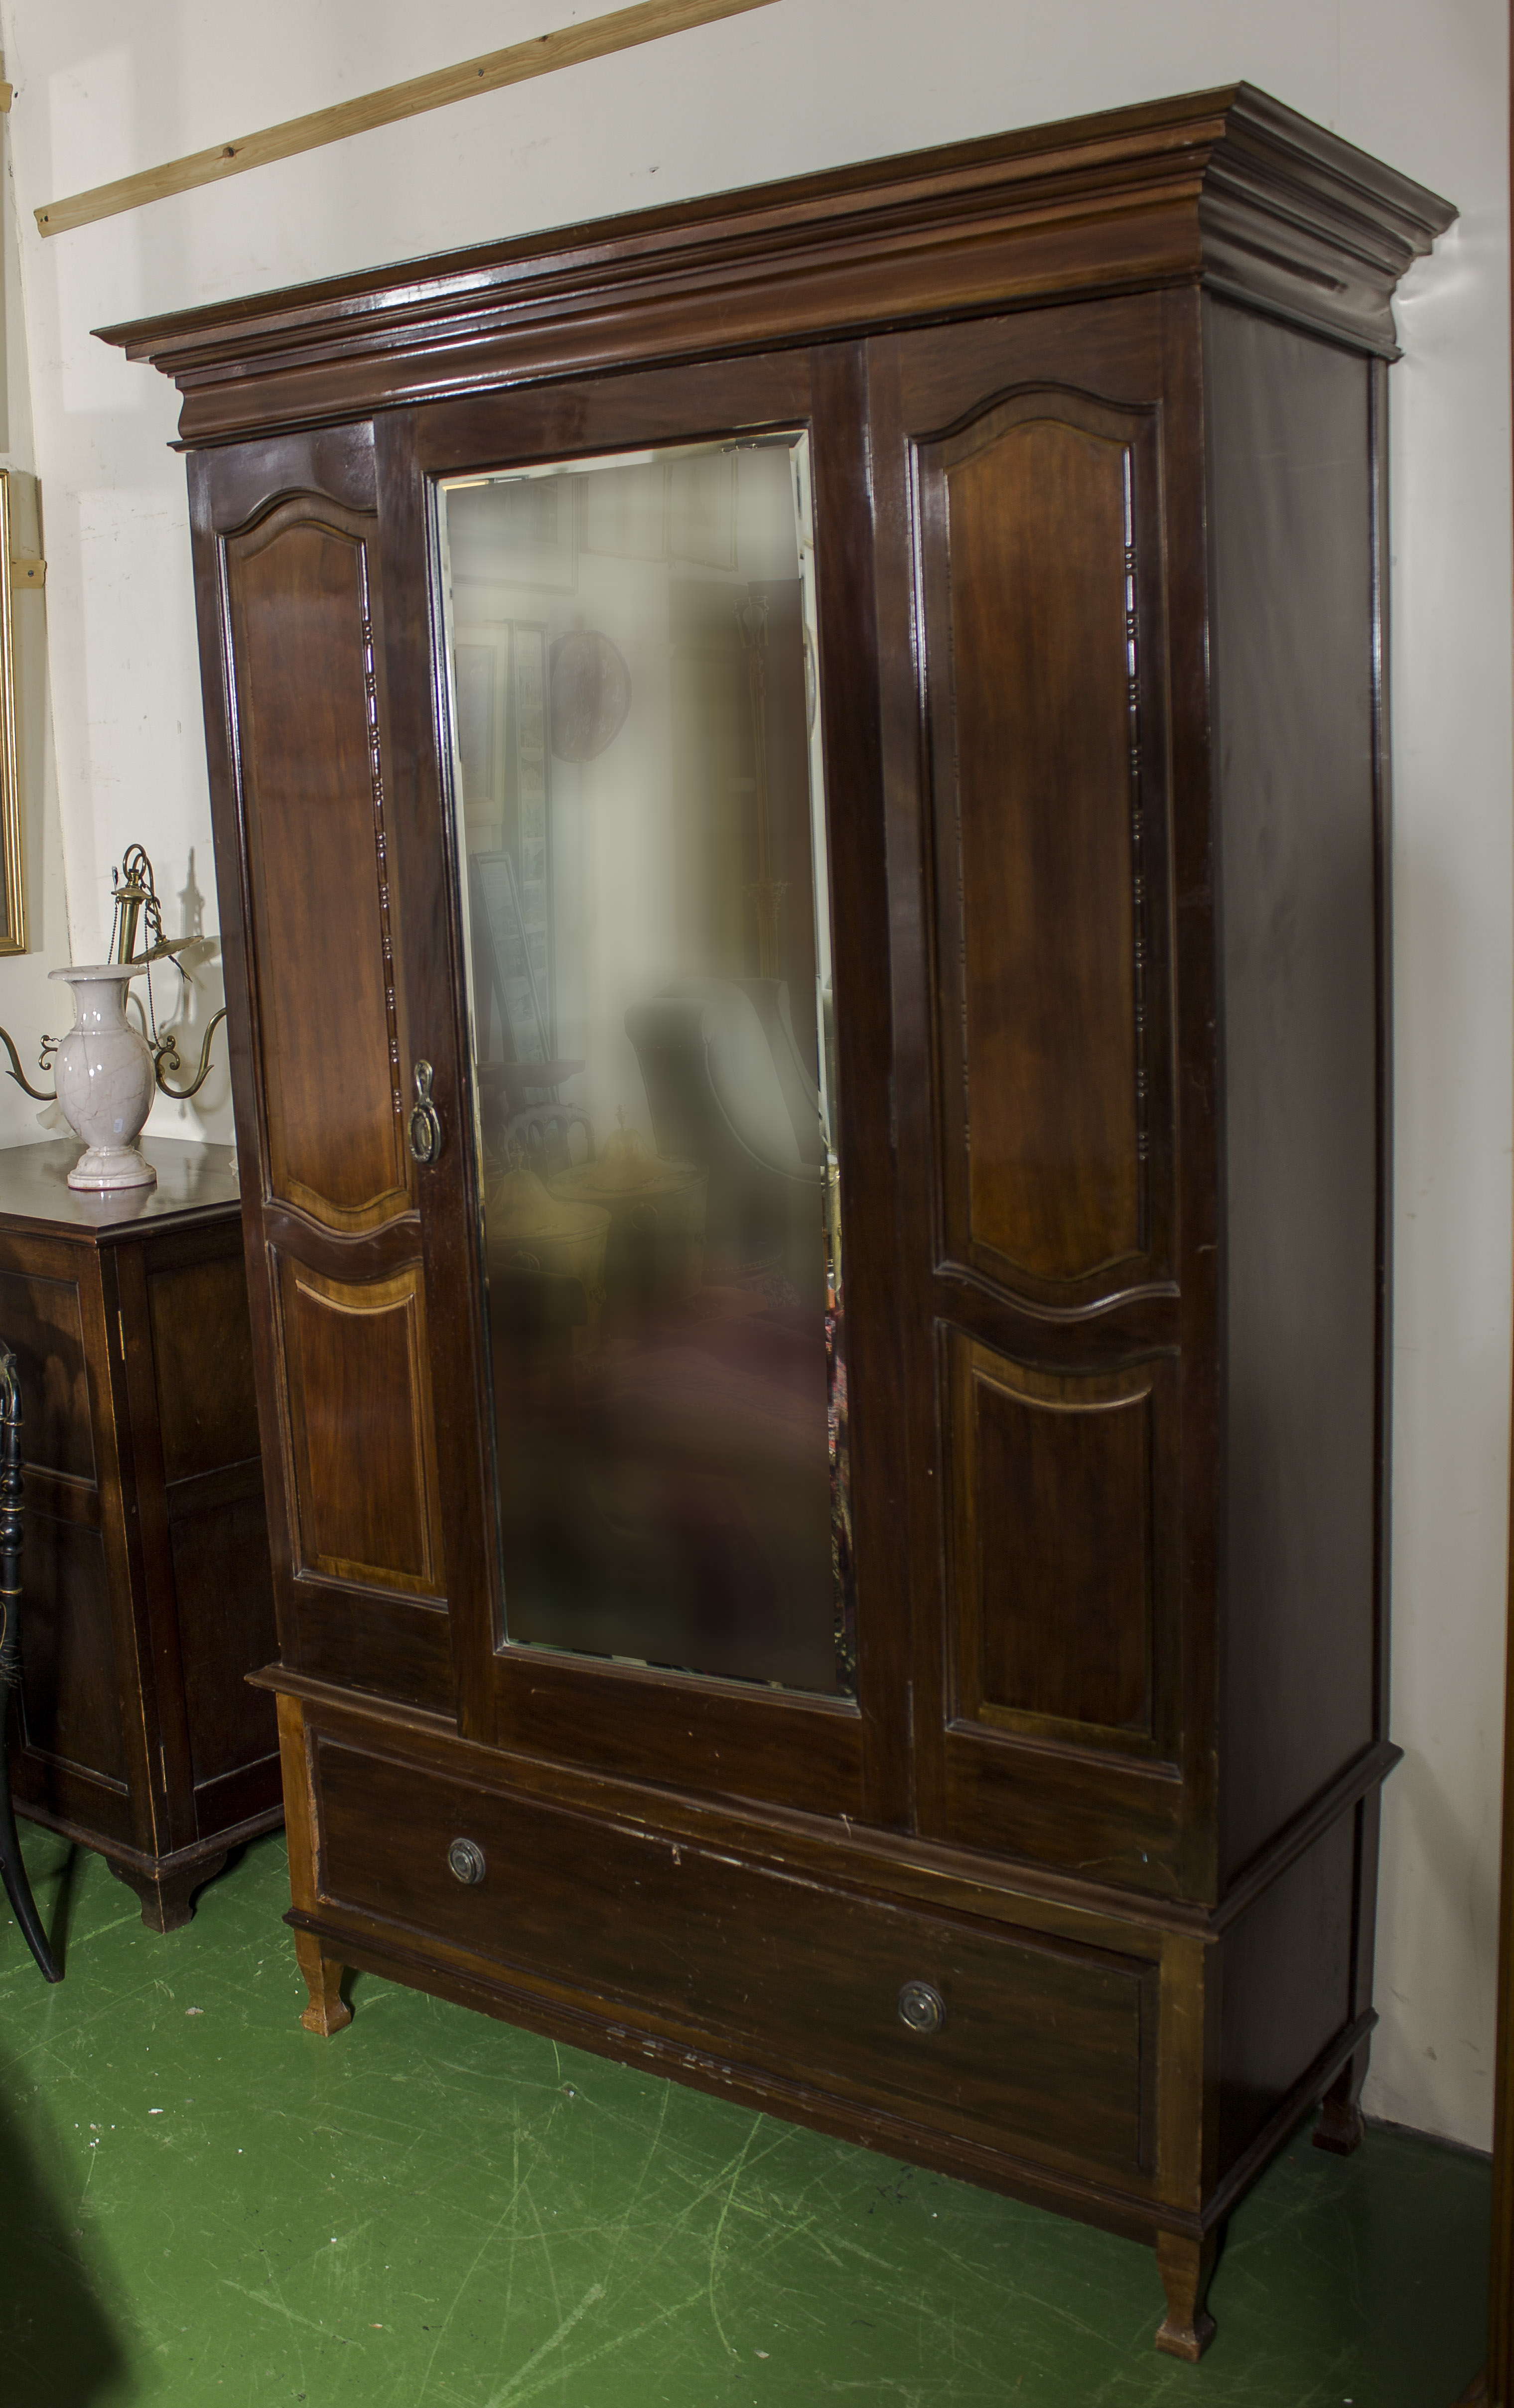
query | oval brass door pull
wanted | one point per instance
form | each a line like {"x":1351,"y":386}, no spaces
{"x":425,"y":1127}
{"x":921,"y":2009}
{"x":465,"y":1858}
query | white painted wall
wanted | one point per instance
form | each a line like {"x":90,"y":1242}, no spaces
{"x":808,"y":83}
{"x":28,"y":1004}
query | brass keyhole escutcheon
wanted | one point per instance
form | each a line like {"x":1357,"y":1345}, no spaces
{"x":465,"y":1859}
{"x":921,"y":2008}
{"x":425,"y":1127}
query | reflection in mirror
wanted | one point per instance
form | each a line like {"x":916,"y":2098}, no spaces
{"x":640,"y":828}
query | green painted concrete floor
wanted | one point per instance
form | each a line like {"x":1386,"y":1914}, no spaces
{"x":201,"y":2202}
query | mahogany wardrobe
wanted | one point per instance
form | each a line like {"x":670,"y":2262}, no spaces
{"x":800,"y":787}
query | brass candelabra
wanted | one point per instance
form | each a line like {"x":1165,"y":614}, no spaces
{"x":136,"y":903}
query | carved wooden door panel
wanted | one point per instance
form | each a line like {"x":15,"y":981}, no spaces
{"x":320,"y":903}
{"x":1034,"y":796}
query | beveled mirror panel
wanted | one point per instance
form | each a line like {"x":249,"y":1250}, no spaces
{"x":640,"y":838}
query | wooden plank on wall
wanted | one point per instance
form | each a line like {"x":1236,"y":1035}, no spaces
{"x":596,"y":37}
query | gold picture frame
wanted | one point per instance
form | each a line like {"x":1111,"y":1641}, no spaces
{"x":13,"y":882}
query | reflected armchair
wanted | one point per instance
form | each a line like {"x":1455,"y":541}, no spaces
{"x":727,"y":1087}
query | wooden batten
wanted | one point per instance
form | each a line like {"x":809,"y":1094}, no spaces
{"x":570,"y":45}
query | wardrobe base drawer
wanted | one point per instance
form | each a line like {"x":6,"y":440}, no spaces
{"x":997,"y":2032}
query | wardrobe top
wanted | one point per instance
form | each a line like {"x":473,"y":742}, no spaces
{"x":1227,"y":190}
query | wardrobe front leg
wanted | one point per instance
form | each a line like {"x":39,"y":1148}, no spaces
{"x":1339,"y":2128}
{"x":329,"y":2011}
{"x":1185,"y":2267}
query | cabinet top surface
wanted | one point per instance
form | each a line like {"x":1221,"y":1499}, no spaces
{"x":195,"y":1183}
{"x":1229,"y":188}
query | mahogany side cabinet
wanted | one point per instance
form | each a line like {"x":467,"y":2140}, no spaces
{"x":800,"y":788}
{"x":147,"y":1588}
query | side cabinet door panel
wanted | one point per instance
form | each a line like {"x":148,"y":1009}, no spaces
{"x":288,"y":579}
{"x":1039,"y":1138}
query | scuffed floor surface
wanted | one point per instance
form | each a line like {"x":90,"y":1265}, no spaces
{"x":202,"y":2202}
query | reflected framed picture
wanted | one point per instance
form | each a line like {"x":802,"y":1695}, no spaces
{"x":12,"y":889}
{"x":701,"y":509}
{"x":626,"y":512}
{"x":529,"y":521}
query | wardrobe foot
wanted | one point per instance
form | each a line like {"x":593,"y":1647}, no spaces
{"x":1340,"y":2127}
{"x":329,"y":2011}
{"x":1185,"y":2267}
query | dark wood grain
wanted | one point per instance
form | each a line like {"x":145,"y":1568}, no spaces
{"x":1186,"y":2267}
{"x":1286,"y":1983}
{"x":43,"y":1328}
{"x":198,"y":1312}
{"x":1039,"y":524}
{"x":1007,"y":1790}
{"x":1059,"y":1568}
{"x":1098,"y":572}
{"x":1227,"y":185}
{"x":167,"y":1891}
{"x":1027,"y":535}
{"x":365,"y":1456}
{"x":636,"y":1920}
{"x":220,"y":1571}
{"x":1300,"y":853}
{"x":327,"y":2012}
{"x":147,"y":1573}
{"x":71,"y":1675}
{"x":299,"y":592}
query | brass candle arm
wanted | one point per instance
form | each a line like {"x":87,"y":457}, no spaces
{"x":44,"y":1062}
{"x":165,"y":1058}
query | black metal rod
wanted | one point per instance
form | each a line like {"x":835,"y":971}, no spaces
{"x":13,"y":1870}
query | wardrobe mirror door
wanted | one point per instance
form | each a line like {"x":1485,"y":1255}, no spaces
{"x":640,"y":827}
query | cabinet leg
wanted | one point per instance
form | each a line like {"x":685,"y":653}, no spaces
{"x":168,"y":1898}
{"x":1185,"y":2267}
{"x":1339,"y":2128}
{"x":329,"y":2011}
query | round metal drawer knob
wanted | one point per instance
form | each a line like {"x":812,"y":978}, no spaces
{"x":465,"y":1857}
{"x":921,"y":2009}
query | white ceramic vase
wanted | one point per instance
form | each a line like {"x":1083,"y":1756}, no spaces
{"x":104,"y":1076}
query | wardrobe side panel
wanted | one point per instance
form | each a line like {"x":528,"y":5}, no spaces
{"x":1295,"y":692}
